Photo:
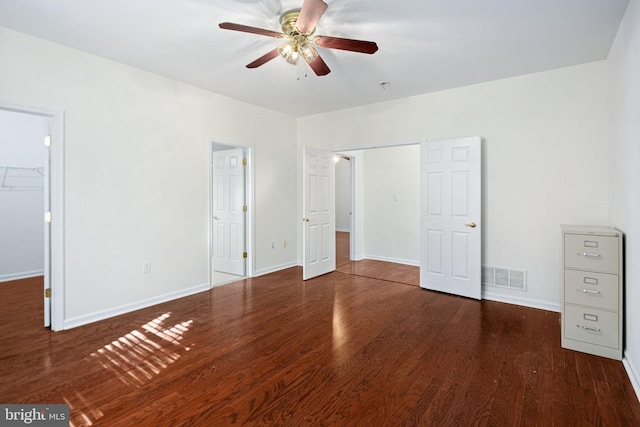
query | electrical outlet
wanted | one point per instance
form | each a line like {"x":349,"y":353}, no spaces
{"x":146,"y":267}
{"x":273,"y":244}
{"x":284,"y":244}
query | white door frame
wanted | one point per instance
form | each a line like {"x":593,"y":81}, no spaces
{"x":353,"y":245}
{"x":54,"y":250}
{"x":249,"y":200}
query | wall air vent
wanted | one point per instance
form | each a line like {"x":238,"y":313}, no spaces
{"x":504,"y":277}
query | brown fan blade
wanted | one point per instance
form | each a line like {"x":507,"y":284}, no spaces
{"x":248,"y":29}
{"x":319,"y":66}
{"x":264,"y":59}
{"x":310,"y":14}
{"x":346,"y":44}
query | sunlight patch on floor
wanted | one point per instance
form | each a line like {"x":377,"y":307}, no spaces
{"x":138,"y":356}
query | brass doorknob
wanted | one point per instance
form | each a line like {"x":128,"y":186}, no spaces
{"x":471,"y":224}
{"x":306,"y":219}
{"x":215,"y":217}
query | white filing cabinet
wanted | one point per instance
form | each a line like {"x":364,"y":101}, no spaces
{"x":592,"y":290}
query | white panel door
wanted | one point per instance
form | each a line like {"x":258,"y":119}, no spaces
{"x":450,"y":224}
{"x":228,"y":213}
{"x":318,"y":198}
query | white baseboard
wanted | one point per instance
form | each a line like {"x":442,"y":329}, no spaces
{"x":226,"y":282}
{"x":632,"y":373}
{"x":343,"y":230}
{"x":273,"y":269}
{"x":394,"y":260}
{"x":525,"y":302}
{"x":21,"y":275}
{"x":128,"y":308}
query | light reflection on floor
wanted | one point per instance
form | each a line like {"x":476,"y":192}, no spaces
{"x":86,"y":416}
{"x":339,"y":331}
{"x":134,"y":358}
{"x":138,"y":356}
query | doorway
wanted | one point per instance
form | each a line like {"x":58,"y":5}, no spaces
{"x":231,"y":215}
{"x":384,"y":202}
{"x":387,"y":211}
{"x":31,"y":176}
{"x":344,"y":209}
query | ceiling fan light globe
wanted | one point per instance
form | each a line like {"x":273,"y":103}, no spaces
{"x":308,"y":52}
{"x":289,"y":52}
{"x":294,"y":58}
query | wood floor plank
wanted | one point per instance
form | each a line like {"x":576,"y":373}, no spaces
{"x":562,"y":406}
{"x":342,"y":349}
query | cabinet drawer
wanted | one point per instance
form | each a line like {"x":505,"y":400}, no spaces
{"x":591,"y":325}
{"x":591,"y":252}
{"x":592,"y":289}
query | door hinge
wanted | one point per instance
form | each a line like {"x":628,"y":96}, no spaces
{"x":47,"y":141}
{"x":244,"y":162}
{"x":47,"y":293}
{"x":244,"y":254}
{"x":244,"y":208}
{"x":47,"y":217}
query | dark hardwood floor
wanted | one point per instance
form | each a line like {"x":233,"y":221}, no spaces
{"x":393,"y":272}
{"x":337,"y":350}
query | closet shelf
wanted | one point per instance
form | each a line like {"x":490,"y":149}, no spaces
{"x":21,"y":179}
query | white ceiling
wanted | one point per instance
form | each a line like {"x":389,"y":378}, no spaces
{"x":424,"y":45}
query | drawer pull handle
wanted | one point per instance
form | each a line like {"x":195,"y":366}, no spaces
{"x":588,"y":254}
{"x":588,"y":291}
{"x":588,"y":328}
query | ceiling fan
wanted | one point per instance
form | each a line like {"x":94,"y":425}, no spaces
{"x":298,"y":26}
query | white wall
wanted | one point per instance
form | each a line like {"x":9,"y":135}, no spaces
{"x":392,"y":204}
{"x":136,"y":174}
{"x":343,"y":195}
{"x":22,"y":209}
{"x":544,"y":153}
{"x":624,"y":66}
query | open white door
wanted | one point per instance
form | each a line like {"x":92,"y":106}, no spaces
{"x":450,"y":218}
{"x":228,"y":211}
{"x":319,"y":222}
{"x":47,"y":232}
